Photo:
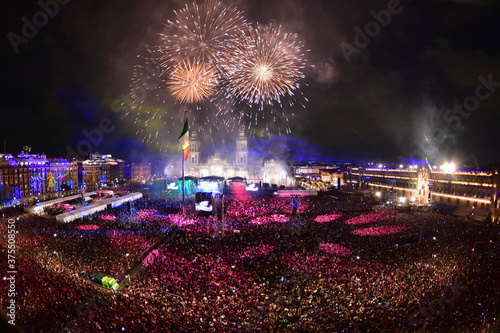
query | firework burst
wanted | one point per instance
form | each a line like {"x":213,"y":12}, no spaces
{"x":268,"y":66}
{"x":206,"y":33}
{"x":153,"y":108}
{"x":224,"y":71}
{"x":192,"y":82}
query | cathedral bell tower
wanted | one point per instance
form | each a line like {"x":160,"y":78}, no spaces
{"x":194,"y":150}
{"x":241,"y":149}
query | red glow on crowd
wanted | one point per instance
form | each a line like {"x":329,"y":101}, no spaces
{"x":142,"y":214}
{"x":253,"y":279}
{"x":239,"y":191}
{"x":88,"y":227}
{"x":107,"y":217}
{"x":180,"y":220}
{"x":371,"y":217}
{"x":265,"y":206}
{"x":380,"y":231}
{"x":327,"y":218}
{"x":335,"y":249}
{"x":269,"y":219}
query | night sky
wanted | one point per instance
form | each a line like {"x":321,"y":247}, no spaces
{"x":426,"y":83}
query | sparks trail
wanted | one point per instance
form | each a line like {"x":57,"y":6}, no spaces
{"x":268,"y":66}
{"x":227,"y":73}
{"x":205,"y":33}
{"x":192,"y":82}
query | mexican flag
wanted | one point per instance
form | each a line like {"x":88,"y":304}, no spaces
{"x":184,"y":140}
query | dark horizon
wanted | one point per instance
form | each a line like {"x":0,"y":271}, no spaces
{"x":423,"y":83}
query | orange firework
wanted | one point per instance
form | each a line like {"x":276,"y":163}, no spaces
{"x":192,"y":82}
{"x":210,"y":58}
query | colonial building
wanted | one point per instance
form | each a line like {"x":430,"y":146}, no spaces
{"x":64,"y":175}
{"x":140,"y":172}
{"x":33,"y":174}
{"x":469,"y":189}
{"x":15,"y":176}
{"x":98,"y":170}
{"x":327,"y":173}
{"x":237,"y":163}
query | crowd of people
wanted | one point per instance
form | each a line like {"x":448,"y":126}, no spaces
{"x":264,"y":207}
{"x":54,"y":262}
{"x":363,"y":268}
{"x":327,"y":217}
{"x":380,"y":230}
{"x":371,"y":217}
{"x":336,"y":249}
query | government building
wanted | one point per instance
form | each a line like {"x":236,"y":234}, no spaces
{"x":471,"y":192}
{"x":237,"y":162}
{"x":29,"y":175}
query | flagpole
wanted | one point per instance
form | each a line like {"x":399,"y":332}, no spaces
{"x":183,"y":187}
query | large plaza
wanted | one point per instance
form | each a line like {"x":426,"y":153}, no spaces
{"x":335,"y":263}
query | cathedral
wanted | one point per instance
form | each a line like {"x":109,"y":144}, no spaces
{"x":226,"y":164}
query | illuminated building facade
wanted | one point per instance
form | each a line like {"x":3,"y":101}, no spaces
{"x":324,"y":172}
{"x":465,"y":188}
{"x":469,"y":188}
{"x":30,"y":175}
{"x":226,"y":165}
{"x":98,"y":170}
{"x":140,"y":172}
{"x":64,"y":175}
{"x":15,"y":176}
